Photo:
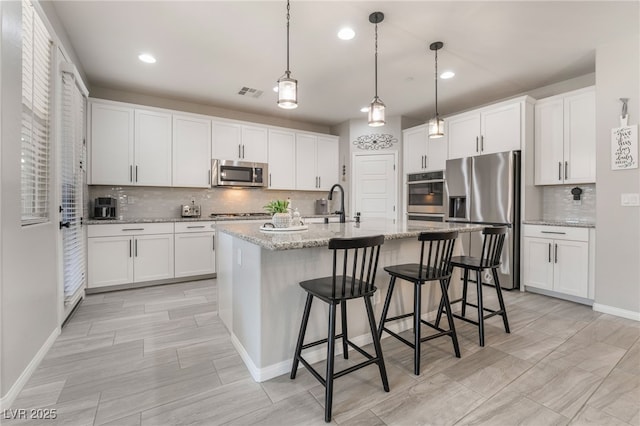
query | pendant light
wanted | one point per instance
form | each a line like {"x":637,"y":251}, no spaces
{"x":436,"y":124}
{"x":376,"y":108}
{"x":287,"y":86}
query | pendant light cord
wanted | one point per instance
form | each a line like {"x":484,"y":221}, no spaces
{"x":436,"y":80}
{"x":288,"y":18}
{"x":376,"y":62}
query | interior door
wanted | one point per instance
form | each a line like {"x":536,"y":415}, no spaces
{"x":375,"y":186}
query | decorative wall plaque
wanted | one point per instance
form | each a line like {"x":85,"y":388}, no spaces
{"x":375,"y":142}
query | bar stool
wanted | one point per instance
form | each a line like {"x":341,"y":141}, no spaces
{"x":337,"y":290}
{"x":433,"y":266}
{"x":489,"y":259}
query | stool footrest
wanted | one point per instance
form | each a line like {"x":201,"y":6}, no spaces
{"x":337,"y":374}
{"x":319,"y":342}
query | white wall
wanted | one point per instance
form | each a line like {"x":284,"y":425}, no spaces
{"x":618,"y":228}
{"x":29,"y":274}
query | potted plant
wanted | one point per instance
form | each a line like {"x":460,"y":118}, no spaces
{"x":280,"y":211}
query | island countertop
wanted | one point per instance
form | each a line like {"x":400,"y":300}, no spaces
{"x":318,"y":235}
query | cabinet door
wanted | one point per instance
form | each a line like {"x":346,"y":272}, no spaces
{"x":282,"y":160}
{"x":153,"y":257}
{"x":571,"y":267}
{"x":464,"y":135}
{"x":549,"y":135}
{"x":191,"y":152}
{"x":414,"y":143}
{"x":306,"y":177}
{"x":327,"y":164}
{"x":194,"y":254}
{"x":538,"y":262}
{"x":437,"y":153}
{"x":152,"y":148}
{"x":254,"y":144}
{"x":500,"y":129}
{"x":580,"y":137}
{"x":226,"y":141}
{"x":111,"y":144}
{"x":109,"y":261}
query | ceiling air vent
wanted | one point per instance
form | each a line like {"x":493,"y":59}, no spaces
{"x":248,"y":91}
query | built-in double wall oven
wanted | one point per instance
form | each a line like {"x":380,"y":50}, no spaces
{"x":426,"y":196}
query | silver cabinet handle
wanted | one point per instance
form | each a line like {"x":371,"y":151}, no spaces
{"x":319,"y":181}
{"x":556,"y":254}
{"x":209,"y":176}
{"x":426,"y":161}
{"x":559,"y":170}
{"x":552,"y":232}
{"x":132,"y":229}
{"x":130,"y":242}
{"x":130,"y":173}
{"x":269,"y":179}
{"x":195,"y":226}
{"x":566,"y":167}
{"x":242,"y":151}
{"x":136,"y":173}
{"x":239,"y":152}
{"x":549,"y":252}
{"x":481,"y":143}
{"x":136,"y":248}
{"x":213,"y":243}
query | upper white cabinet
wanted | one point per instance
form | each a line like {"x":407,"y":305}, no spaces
{"x":191,"y":151}
{"x":565,"y":138}
{"x":422,"y":153}
{"x":130,"y":146}
{"x":487,"y":130}
{"x":316,"y":162}
{"x":282,"y":159}
{"x":234,"y":141}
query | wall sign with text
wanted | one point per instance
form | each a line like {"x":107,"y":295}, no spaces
{"x":624,"y":148}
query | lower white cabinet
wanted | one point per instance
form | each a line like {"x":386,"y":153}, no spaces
{"x":194,"y":248}
{"x":557,"y":259}
{"x":130,"y":253}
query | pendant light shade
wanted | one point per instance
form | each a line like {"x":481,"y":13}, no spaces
{"x":436,"y":124}
{"x":376,"y":108}
{"x":287,"y":86}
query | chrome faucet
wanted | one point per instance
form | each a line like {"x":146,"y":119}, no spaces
{"x":330,"y":197}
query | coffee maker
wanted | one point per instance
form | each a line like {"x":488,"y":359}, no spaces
{"x":105,"y":208}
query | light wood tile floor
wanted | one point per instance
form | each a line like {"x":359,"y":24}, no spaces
{"x":161,"y":356}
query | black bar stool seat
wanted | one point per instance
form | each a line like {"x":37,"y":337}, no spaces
{"x":489,"y":259}
{"x":362,"y":254}
{"x":435,"y":255}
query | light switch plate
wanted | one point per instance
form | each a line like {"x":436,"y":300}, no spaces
{"x":630,"y":199}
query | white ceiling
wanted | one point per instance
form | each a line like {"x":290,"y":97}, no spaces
{"x":208,"y":50}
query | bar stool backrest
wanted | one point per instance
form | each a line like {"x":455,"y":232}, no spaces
{"x":363,"y":267}
{"x":439,"y":248}
{"x":492,"y":245}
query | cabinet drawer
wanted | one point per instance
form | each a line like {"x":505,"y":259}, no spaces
{"x":183,"y":227}
{"x":112,"y":230}
{"x":557,"y":232}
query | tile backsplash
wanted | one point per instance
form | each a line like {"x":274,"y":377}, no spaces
{"x":157,"y":202}
{"x":559,"y":204}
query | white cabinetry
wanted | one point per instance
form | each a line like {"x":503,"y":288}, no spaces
{"x":282,"y":159}
{"x":194,"y":248}
{"x":422,"y":153}
{"x":123,"y":254}
{"x":557,"y":259}
{"x":191,"y":151}
{"x":130,"y":146}
{"x":487,"y":130}
{"x":316,"y":162}
{"x":235,"y":141}
{"x":565,"y":138}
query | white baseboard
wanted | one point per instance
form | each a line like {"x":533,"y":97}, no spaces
{"x":7,"y":400}
{"x":313,"y":356}
{"x":611,"y":310}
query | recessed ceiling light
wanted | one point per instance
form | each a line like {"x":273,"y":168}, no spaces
{"x":447,"y":74}
{"x":364,"y":109}
{"x":346,"y":34}
{"x":147,"y":58}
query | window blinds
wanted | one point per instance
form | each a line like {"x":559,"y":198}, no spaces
{"x":73,"y":177}
{"x":36,"y":93}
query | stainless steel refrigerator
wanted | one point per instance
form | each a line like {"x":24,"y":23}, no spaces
{"x":486,"y":189}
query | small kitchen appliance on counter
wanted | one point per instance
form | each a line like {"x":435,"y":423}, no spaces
{"x":190,"y":210}
{"x":322,"y":206}
{"x":105,"y":208}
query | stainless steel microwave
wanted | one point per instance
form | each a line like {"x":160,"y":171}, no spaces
{"x":238,"y":174}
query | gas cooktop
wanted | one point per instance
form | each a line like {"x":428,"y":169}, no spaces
{"x":216,"y":215}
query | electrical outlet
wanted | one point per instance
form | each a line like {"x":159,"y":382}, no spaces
{"x":577,"y":202}
{"x":630,"y":200}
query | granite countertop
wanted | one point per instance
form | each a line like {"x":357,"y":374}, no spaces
{"x":571,"y":223}
{"x":266,"y":217}
{"x":318,"y":235}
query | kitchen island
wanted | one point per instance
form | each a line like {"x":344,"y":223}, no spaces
{"x":261,"y":303}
